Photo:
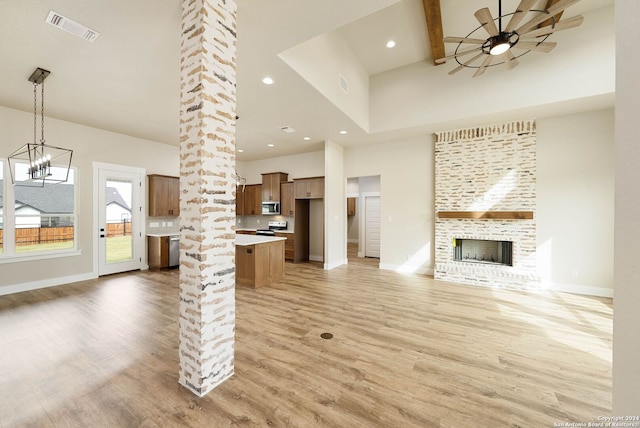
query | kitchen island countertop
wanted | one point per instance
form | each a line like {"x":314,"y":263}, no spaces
{"x":256,"y":239}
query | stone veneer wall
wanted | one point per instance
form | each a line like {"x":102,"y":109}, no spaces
{"x":207,"y":193}
{"x":490,"y":168}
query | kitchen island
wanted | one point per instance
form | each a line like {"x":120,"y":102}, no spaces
{"x":259,"y":260}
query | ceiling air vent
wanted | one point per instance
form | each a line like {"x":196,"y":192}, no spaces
{"x":71,"y":26}
{"x":343,"y":83}
{"x":288,"y":129}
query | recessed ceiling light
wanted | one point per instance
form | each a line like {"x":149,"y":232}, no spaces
{"x":391,"y":44}
{"x":270,"y":145}
{"x":240,"y":151}
{"x":343,"y":132}
{"x":306,"y":138}
{"x":267,"y":81}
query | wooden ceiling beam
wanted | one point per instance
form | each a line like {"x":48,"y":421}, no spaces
{"x":434,"y":27}
{"x":550,"y":20}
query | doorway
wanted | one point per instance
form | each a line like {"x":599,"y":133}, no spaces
{"x":363,"y":220}
{"x":118,"y":225}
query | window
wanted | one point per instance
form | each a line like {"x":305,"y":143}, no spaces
{"x":39,"y":219}
{"x":1,"y":206}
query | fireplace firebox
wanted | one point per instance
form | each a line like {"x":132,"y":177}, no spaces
{"x":483,"y":251}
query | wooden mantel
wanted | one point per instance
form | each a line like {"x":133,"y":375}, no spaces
{"x":496,"y":215}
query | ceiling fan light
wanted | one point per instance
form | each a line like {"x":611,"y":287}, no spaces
{"x":500,"y":48}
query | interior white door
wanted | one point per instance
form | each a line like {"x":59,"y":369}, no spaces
{"x":119,"y":234}
{"x":372,"y":226}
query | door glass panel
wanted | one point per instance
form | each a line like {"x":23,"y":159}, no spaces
{"x":119,"y":236}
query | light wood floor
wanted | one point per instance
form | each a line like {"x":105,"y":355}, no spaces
{"x":407,"y":351}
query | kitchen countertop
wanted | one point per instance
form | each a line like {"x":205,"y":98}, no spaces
{"x":160,"y":235}
{"x":253,"y":230}
{"x":256,"y":239}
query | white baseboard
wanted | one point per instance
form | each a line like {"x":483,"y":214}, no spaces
{"x":49,"y":282}
{"x":399,"y":268}
{"x":329,"y":266}
{"x":577,"y":289}
{"x":316,"y":258}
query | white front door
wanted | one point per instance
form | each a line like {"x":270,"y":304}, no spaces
{"x":119,"y":230}
{"x":372,"y":226}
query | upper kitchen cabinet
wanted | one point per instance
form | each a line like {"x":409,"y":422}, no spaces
{"x":271,"y":185}
{"x":253,"y":199}
{"x":240,"y":194}
{"x":351,"y":206}
{"x":164,"y":196}
{"x":309,"y":188}
{"x":287,"y":201}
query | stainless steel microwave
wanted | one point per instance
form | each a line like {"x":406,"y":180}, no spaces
{"x":270,"y":208}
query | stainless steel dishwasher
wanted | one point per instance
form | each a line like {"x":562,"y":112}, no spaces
{"x":174,"y":250}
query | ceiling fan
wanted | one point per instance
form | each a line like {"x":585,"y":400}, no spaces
{"x":515,"y":40}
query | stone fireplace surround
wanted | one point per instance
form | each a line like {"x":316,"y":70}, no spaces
{"x":492,"y":170}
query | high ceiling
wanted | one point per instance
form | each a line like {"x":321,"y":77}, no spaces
{"x":127,"y":81}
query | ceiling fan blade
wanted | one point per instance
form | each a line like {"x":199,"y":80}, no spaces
{"x":552,"y":11}
{"x":486,"y":20}
{"x":455,"y":55}
{"x":510,"y":60}
{"x":484,"y":66}
{"x":463,"y":40}
{"x":535,"y":46}
{"x":523,"y":8}
{"x":464,"y":64}
{"x":562,"y":25}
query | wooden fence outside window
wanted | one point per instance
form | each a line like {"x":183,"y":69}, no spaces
{"x":44,"y":235}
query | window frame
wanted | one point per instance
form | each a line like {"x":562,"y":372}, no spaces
{"x":9,"y":254}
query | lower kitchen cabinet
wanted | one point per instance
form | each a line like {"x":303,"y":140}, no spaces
{"x":289,"y":244}
{"x":158,"y":252}
{"x":259,"y":264}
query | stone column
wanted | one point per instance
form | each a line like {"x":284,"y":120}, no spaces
{"x":207,"y":193}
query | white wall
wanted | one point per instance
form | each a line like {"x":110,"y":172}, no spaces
{"x":297,"y":166}
{"x":626,"y":322}
{"x":320,"y":61}
{"x":407,"y":193}
{"x":89,"y":144}
{"x":575,"y":201}
{"x":335,"y":205}
{"x":574,"y":153}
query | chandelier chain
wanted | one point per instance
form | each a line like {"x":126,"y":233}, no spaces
{"x":35,"y":111}
{"x":42,"y":113}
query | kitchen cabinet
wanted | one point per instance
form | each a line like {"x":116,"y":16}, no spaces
{"x":240,"y":200}
{"x":164,"y":196}
{"x":351,"y":206}
{"x":253,"y":199}
{"x":271,"y":185}
{"x":309,"y":188}
{"x":158,"y":252}
{"x":287,"y":201}
{"x":259,"y":262}
{"x":289,"y":244}
{"x":163,"y":251}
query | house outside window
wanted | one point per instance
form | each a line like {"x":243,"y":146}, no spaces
{"x":43,"y":220}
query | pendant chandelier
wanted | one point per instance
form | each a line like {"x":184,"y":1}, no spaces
{"x":36,"y":164}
